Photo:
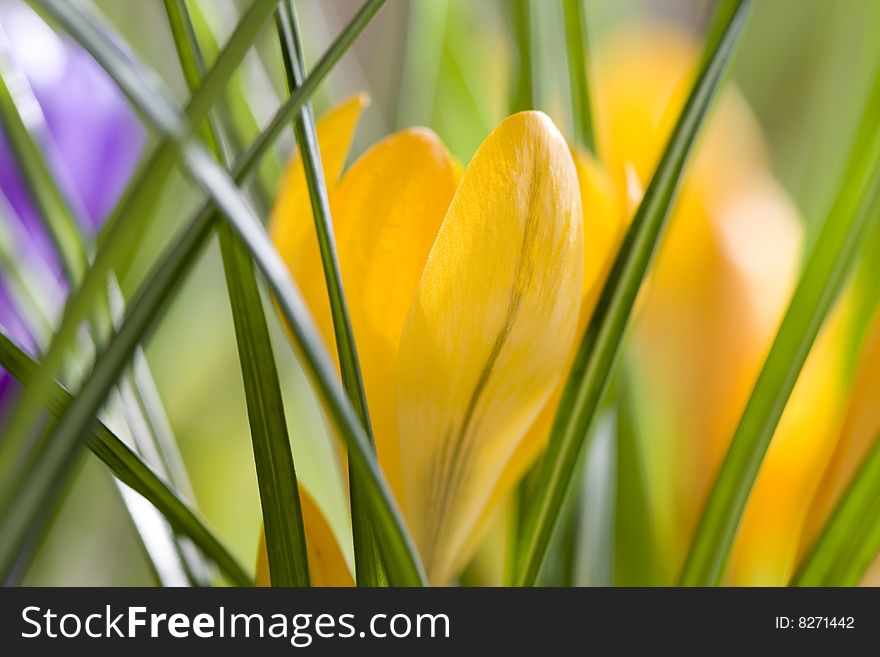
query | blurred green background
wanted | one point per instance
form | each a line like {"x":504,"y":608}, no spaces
{"x":803,"y":65}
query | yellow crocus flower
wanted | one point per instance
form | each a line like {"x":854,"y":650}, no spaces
{"x":411,"y":257}
{"x":464,"y":291}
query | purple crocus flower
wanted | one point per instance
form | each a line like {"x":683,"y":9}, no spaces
{"x":92,"y":141}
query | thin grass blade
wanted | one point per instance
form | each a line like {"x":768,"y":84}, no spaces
{"x":45,"y":463}
{"x":636,"y":550}
{"x":276,"y":477}
{"x":237,"y":114}
{"x":600,"y":345}
{"x":425,"y":35}
{"x":368,"y":562}
{"x":128,"y":467}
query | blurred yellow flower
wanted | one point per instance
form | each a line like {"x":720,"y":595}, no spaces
{"x":463,"y":290}
{"x":722,"y":279}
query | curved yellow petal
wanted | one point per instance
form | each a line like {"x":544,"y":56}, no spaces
{"x":766,"y":546}
{"x":605,"y":219}
{"x":489,"y":331}
{"x":291,"y":224}
{"x":859,"y":430}
{"x":386,"y":213}
{"x":327,"y":565}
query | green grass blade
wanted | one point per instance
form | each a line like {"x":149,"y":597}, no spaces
{"x":298,"y":97}
{"x":237,"y":113}
{"x":128,"y":467}
{"x":276,"y":477}
{"x":850,"y":539}
{"x":43,"y":478}
{"x":368,"y":563}
{"x":822,"y":279}
{"x":126,"y":224}
{"x":279,"y":492}
{"x":636,"y":553}
{"x":577,"y":52}
{"x":866,"y":548}
{"x":600,"y":345}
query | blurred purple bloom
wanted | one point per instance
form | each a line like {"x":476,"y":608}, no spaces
{"x":92,"y":141}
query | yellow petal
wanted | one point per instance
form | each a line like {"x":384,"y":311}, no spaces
{"x":605,"y":220}
{"x":386,"y":212}
{"x":765,"y":550}
{"x":856,"y":437}
{"x":292,"y":226}
{"x":327,"y":565}
{"x":489,"y":331}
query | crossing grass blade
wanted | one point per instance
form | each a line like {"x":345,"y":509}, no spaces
{"x":850,"y":539}
{"x":276,"y":477}
{"x":636,"y":550}
{"x":237,"y":114}
{"x":62,"y":223}
{"x":129,"y":219}
{"x":398,"y":550}
{"x":128,"y":467}
{"x":823,"y":277}
{"x":600,"y":345}
{"x":368,"y":562}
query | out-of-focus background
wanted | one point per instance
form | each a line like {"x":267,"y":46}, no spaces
{"x":450,"y":65}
